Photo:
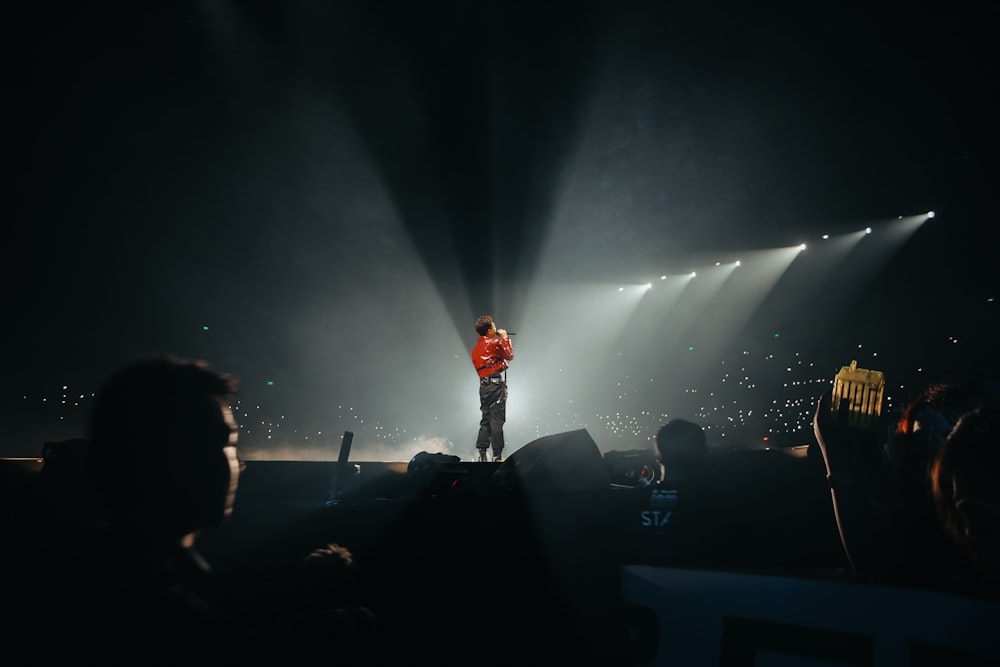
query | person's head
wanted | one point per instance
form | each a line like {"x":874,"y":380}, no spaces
{"x":937,"y":408}
{"x":682,"y":448}
{"x":965,"y":482}
{"x":485,"y":326}
{"x":163,"y":445}
{"x":929,"y":417}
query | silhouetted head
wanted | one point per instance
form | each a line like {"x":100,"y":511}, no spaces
{"x":682,"y":448}
{"x":484,"y":324}
{"x":965,"y":480}
{"x":938,"y":408}
{"x":163,"y":445}
{"x":929,"y":417}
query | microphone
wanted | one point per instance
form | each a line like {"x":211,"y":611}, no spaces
{"x":511,"y":333}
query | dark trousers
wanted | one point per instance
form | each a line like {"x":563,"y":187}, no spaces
{"x":493,"y":405}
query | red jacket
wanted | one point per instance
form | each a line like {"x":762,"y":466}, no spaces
{"x":490,"y":355}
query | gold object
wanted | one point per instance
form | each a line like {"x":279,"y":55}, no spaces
{"x":864,"y":391}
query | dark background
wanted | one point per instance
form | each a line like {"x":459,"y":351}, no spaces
{"x":321,"y":198}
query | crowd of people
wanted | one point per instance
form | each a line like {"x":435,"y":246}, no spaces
{"x":113,"y":546}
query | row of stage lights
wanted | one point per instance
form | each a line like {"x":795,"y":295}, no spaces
{"x":736,"y":264}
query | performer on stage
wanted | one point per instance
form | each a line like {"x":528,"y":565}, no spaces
{"x":491,"y":356}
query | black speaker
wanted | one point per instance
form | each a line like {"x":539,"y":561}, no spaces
{"x":566,"y":488}
{"x":19,"y":485}
{"x":564,"y":463}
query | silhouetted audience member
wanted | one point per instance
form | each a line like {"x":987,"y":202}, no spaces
{"x":681,"y":520}
{"x":965,"y":481}
{"x":164,"y":467}
{"x":880,"y":484}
